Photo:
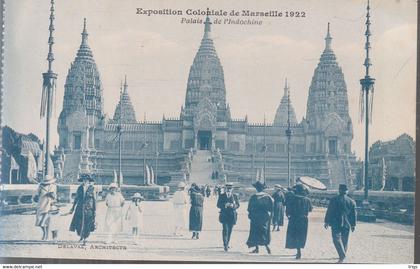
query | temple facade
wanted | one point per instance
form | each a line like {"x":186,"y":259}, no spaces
{"x":320,"y":142}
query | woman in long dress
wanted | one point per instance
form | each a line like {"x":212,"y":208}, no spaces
{"x":84,"y":208}
{"x":135,"y":216}
{"x":278,"y":210}
{"x":298,"y":207}
{"x":260,"y":208}
{"x":47,"y":193}
{"x":113,"y":219}
{"x":196,"y":211}
{"x":179,"y":202}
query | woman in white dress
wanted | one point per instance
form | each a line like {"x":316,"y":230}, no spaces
{"x":47,"y":194}
{"x":113,"y":219}
{"x":135,"y":216}
{"x":179,"y":202}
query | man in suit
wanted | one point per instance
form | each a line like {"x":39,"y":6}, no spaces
{"x":228,"y":202}
{"x":341,"y":216}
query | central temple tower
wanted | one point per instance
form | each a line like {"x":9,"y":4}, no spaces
{"x":205,"y":100}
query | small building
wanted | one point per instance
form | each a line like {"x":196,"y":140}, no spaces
{"x":392,"y":164}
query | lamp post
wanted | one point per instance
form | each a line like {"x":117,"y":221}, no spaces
{"x":289,"y":136}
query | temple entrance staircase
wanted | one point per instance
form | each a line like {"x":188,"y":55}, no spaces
{"x":201,"y":168}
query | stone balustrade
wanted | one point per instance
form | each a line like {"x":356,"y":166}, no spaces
{"x":395,"y":206}
{"x":18,"y":198}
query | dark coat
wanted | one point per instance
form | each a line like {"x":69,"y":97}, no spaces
{"x":260,"y":208}
{"x":84,"y":208}
{"x":196,"y":211}
{"x":341,"y":212}
{"x":297,"y":210}
{"x":278,"y":210}
{"x":228,"y":214}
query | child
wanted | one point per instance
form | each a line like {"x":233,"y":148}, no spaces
{"x":54,"y":213}
{"x":135,"y":216}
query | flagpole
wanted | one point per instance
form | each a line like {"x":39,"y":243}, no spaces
{"x":144,"y":150}
{"x":265,"y":152}
{"x":157,"y":156}
{"x":289,"y":135}
{"x":367,"y":86}
{"x":120,"y":142}
{"x":49,"y":79}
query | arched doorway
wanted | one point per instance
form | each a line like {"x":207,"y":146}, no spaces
{"x":204,"y":140}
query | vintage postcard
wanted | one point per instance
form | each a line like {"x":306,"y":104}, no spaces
{"x":209,"y":131}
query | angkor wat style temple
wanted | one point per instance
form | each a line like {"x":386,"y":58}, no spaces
{"x":320,"y":143}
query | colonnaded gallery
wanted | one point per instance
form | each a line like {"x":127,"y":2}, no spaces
{"x":320,"y":143}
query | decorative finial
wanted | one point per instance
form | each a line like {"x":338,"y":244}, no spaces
{"x":50,"y":56}
{"x":84,"y":33}
{"x":328,"y":38}
{"x":125,"y":84}
{"x":286,"y":88}
{"x":207,"y":26}
{"x":367,"y":62}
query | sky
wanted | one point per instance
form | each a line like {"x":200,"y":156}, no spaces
{"x":156,"y":52}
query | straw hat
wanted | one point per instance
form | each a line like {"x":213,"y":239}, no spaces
{"x":137,"y":196}
{"x":181,"y":185}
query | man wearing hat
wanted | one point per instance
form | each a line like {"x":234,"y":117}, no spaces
{"x":47,"y":193}
{"x":341,"y":216}
{"x":228,"y":202}
{"x":260,"y":209}
{"x":84,"y":208}
{"x":179,"y":201}
{"x":278,"y":210}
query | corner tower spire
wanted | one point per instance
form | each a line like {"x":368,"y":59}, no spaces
{"x":124,"y":112}
{"x":285,"y":111}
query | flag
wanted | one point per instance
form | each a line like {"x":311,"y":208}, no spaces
{"x":384,"y":174}
{"x":258,"y":177}
{"x":32,"y":168}
{"x":121,"y":178}
{"x":115,"y":176}
{"x":152,"y":176}
{"x":147,"y":175}
{"x":46,"y":101}
{"x":13,"y":164}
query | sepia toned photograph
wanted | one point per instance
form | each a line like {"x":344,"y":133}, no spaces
{"x":208,"y":131}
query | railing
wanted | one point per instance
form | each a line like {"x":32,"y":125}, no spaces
{"x":391,"y":205}
{"x":18,"y":198}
